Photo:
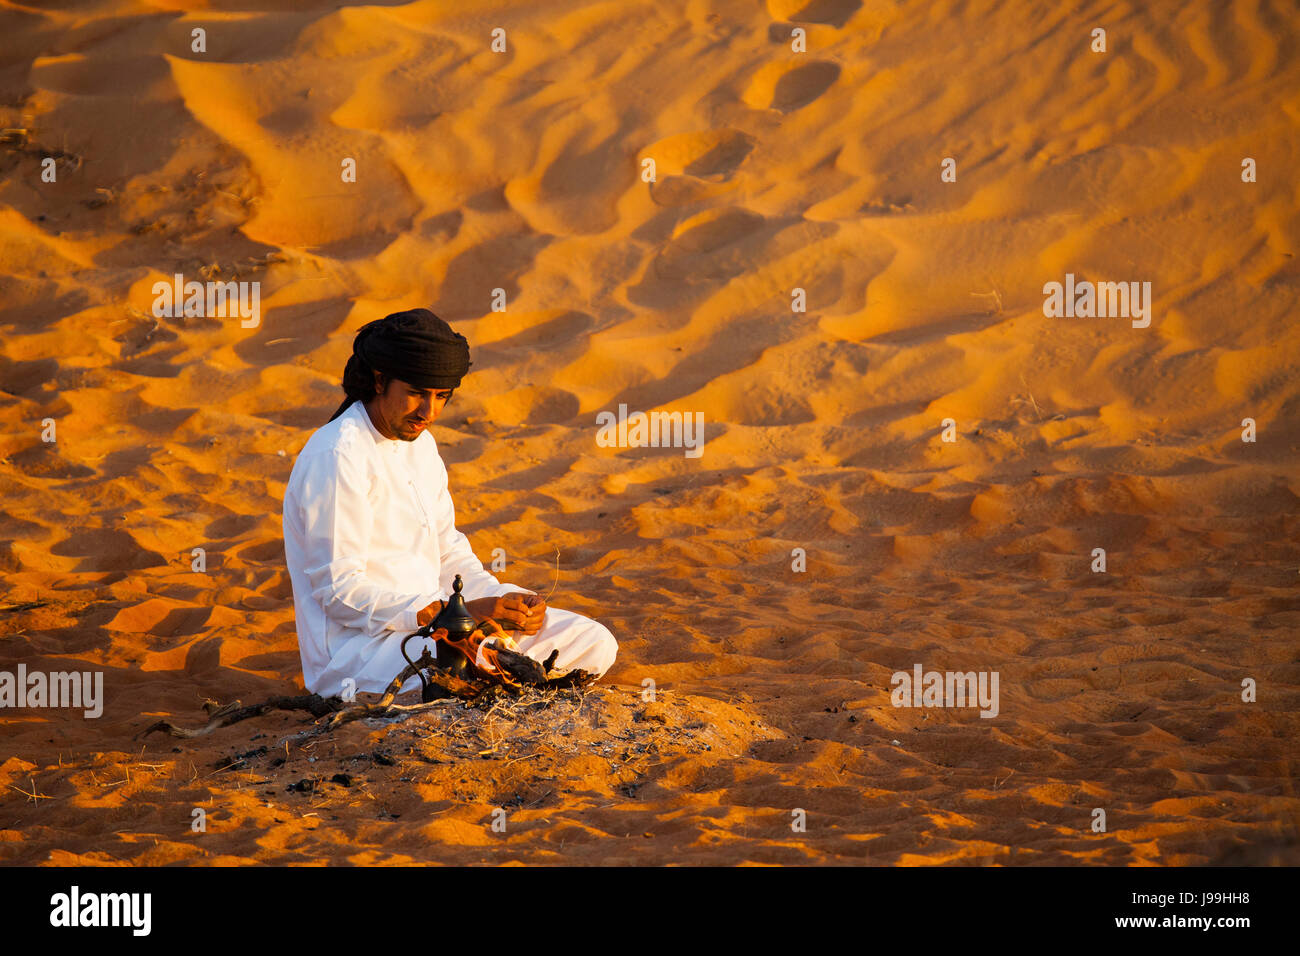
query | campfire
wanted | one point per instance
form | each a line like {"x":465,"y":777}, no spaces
{"x":469,"y":653}
{"x":502,"y":670}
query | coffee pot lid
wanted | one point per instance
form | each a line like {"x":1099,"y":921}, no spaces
{"x":455,"y":617}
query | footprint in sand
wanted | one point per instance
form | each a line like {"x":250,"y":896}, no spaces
{"x":691,"y":167}
{"x":714,"y":153}
{"x":104,"y":550}
{"x":534,"y":405}
{"x":834,"y":13}
{"x":779,"y":86}
{"x":704,"y":246}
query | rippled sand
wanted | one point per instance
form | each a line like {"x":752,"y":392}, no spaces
{"x":775,"y":170}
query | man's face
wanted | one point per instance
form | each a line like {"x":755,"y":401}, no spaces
{"x":404,"y":411}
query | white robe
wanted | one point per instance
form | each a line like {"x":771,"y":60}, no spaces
{"x":370,"y":538}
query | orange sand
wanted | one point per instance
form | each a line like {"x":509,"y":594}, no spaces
{"x":775,"y":170}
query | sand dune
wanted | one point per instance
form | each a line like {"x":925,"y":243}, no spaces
{"x":774,"y":170}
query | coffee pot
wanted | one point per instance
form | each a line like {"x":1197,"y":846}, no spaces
{"x":460,"y":624}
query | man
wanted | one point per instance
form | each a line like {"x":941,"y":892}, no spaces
{"x":370,"y":531}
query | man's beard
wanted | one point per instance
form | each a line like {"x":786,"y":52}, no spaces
{"x":409,"y":431}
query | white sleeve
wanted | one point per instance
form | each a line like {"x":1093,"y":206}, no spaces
{"x":457,"y":555}
{"x":337,"y":518}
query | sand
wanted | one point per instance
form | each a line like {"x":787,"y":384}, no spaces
{"x":774,"y":170}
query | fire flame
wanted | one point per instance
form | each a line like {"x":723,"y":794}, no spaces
{"x":476,"y":641}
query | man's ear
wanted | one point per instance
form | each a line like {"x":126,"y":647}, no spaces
{"x":381,"y":386}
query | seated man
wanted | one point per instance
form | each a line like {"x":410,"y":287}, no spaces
{"x":370,"y":531}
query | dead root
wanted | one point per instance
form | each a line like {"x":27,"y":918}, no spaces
{"x":222,"y":715}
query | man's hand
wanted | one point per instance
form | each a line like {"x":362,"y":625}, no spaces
{"x":517,"y":611}
{"x":536,"y":612}
{"x":426,"y":614}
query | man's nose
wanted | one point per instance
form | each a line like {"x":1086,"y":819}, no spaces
{"x":426,"y":408}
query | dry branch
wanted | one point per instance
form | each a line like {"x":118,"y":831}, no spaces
{"x":331,"y":712}
{"x":233,"y":713}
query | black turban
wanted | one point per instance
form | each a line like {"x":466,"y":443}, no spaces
{"x":415,"y":346}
